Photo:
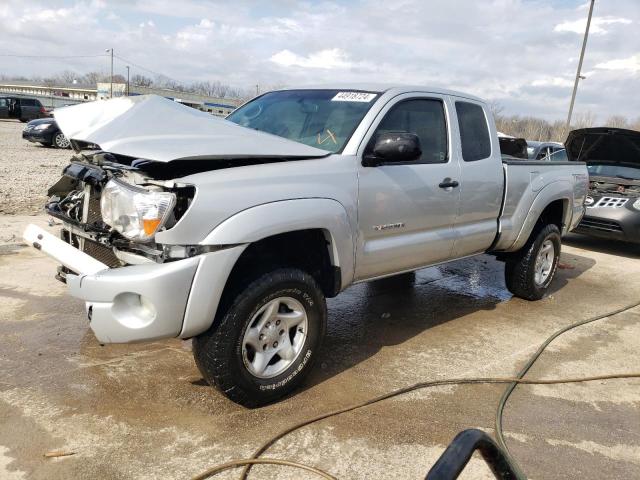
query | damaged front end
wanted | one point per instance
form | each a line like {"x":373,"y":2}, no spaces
{"x":111,"y":210}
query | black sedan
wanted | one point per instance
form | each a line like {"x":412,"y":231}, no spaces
{"x":46,"y":132}
{"x":613,"y":160}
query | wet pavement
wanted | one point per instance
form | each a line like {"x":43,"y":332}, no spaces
{"x":143,"y":411}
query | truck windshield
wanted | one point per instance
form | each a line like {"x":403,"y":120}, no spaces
{"x":609,"y":170}
{"x":323,"y":119}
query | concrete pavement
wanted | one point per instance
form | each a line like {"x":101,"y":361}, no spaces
{"x":143,"y":411}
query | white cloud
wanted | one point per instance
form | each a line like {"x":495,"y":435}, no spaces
{"x":597,"y":26}
{"x":463,"y":45}
{"x":630,"y":64}
{"x":328,"y":58}
{"x":552,"y":82}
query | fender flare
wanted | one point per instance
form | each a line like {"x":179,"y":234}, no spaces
{"x":268,"y":219}
{"x":560,"y":190}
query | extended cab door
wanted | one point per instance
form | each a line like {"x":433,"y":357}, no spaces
{"x":481,"y":178}
{"x":406,"y":211}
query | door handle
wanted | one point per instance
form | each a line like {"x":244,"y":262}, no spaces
{"x":448,"y":183}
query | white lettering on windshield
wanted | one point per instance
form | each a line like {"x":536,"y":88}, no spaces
{"x":353,"y":97}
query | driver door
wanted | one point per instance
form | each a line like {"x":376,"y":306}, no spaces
{"x":406,"y":211}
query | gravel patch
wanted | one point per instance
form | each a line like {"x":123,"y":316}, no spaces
{"x":27,"y":170}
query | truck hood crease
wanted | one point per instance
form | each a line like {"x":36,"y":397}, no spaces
{"x":155,"y":128}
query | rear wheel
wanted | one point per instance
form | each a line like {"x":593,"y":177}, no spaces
{"x":264,"y":343}
{"x":530,"y":271}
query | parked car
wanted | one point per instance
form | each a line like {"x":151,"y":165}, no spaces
{"x":46,"y":132}
{"x":547,"y":151}
{"x":613,"y":160}
{"x":23,"y":109}
{"x":232,"y":232}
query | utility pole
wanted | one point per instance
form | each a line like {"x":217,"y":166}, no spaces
{"x":578,"y":76}
{"x":257,"y":90}
{"x":111,"y":88}
{"x":127,"y":80}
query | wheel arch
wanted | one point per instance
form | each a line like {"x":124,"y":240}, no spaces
{"x":551,"y":205}
{"x":316,"y":237}
{"x":287,"y":218}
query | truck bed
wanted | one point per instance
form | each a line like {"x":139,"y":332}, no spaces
{"x":525,"y":181}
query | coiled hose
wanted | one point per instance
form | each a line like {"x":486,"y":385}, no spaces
{"x":512,"y":381}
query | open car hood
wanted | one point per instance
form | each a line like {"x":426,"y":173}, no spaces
{"x":154,"y":128}
{"x":604,"y":144}
{"x":513,"y":147}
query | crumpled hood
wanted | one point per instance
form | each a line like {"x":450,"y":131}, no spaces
{"x":604,"y":144}
{"x":155,"y":128}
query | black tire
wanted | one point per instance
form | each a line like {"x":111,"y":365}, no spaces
{"x":218,"y":352}
{"x":520,"y":266}
{"x":59,"y":140}
{"x":24,"y":120}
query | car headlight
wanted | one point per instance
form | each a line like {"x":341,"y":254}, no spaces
{"x":42,"y":126}
{"x":636,"y":204}
{"x":134,"y":212}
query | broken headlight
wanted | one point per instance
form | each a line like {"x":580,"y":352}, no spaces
{"x":134,"y":212}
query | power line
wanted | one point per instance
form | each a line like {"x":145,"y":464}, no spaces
{"x":148,"y":70}
{"x":50,"y":56}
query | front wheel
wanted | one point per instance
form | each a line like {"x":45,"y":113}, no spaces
{"x":529,"y":272}
{"x":60,"y":141}
{"x":264,"y":343}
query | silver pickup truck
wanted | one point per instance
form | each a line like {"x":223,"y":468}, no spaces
{"x":233,"y":232}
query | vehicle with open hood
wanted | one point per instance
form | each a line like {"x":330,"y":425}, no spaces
{"x":612,"y":156}
{"x":513,"y":147}
{"x":233,"y":232}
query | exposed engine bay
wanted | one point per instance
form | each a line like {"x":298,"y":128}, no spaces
{"x":83,"y":193}
{"x":605,"y":185}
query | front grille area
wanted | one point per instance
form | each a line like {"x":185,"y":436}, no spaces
{"x":101,"y":253}
{"x":610,"y":202}
{"x":600,"y":224}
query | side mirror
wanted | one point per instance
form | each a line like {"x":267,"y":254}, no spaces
{"x":393,"y":147}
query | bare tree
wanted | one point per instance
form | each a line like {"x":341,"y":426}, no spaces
{"x":584,"y":120}
{"x":617,"y":121}
{"x":91,"y":78}
{"x":67,"y":77}
{"x":141,"y":80}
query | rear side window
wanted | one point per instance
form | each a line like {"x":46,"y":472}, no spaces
{"x":559,"y":156}
{"x":474,"y":132}
{"x":426,"y":119}
{"x":27,"y":102}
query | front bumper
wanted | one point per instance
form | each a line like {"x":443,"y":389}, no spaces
{"x":37,"y":137}
{"x":613,"y":223}
{"x":143,"y":302}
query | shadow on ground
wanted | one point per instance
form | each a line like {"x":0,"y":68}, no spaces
{"x":601,"y":245}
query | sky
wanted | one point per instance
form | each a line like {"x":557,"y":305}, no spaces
{"x":522,"y":54}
